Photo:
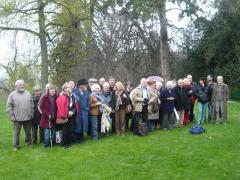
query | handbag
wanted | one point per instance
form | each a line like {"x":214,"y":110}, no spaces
{"x":61,"y":120}
{"x":128,"y":108}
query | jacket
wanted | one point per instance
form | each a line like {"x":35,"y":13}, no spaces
{"x":94,"y":108}
{"x":45,"y":106}
{"x":203,"y":93}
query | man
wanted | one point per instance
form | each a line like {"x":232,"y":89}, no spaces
{"x":36,"y":115}
{"x":112,"y":83}
{"x":20,"y":111}
{"x":180,"y":102}
{"x":82,"y":122}
{"x":139,"y":97}
{"x":193,"y":87}
{"x":101,"y":82}
{"x":203,"y":96}
{"x":220,"y":97}
{"x":91,"y":82}
{"x":210,"y":85}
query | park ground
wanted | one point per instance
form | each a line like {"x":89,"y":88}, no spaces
{"x":161,"y":155}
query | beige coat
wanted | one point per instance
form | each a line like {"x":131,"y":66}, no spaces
{"x":137,"y":99}
{"x":153,"y":100}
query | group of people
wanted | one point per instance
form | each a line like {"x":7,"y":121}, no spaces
{"x":98,"y":108}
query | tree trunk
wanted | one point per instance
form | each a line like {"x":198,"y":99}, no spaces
{"x":164,"y":46}
{"x":43,"y":43}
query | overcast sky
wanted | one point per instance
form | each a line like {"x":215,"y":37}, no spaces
{"x":28,"y":46}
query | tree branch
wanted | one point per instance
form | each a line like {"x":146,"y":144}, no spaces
{"x":19,"y":29}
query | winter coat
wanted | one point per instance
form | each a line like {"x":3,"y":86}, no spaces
{"x":45,"y":106}
{"x":181,"y":98}
{"x":36,"y":114}
{"x":167,"y":105}
{"x":153,"y":105}
{"x":225,"y":100}
{"x":203,"y":93}
{"x":94,"y":108}
{"x":63,"y":105}
{"x":125,"y":100}
{"x":83,"y":115}
{"x":188,"y":102}
{"x":137,"y":99}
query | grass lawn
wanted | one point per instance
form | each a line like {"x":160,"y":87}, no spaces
{"x":161,"y":155}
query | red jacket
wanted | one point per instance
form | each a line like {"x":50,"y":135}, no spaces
{"x":62,"y":105}
{"x":45,"y":107}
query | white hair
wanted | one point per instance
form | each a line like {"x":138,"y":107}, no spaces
{"x":95,"y":86}
{"x":159,"y":83}
{"x":170,"y":85}
{"x":65,"y":86}
{"x":18,"y":82}
{"x":219,"y":78}
{"x":180,"y":81}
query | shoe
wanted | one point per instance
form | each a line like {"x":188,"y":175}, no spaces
{"x":15,"y":149}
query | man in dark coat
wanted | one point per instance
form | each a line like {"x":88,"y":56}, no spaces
{"x":180,"y":102}
{"x":193,"y":87}
{"x":210,"y":85}
{"x":82,"y":121}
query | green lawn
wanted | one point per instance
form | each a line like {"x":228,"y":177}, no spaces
{"x":161,"y":155}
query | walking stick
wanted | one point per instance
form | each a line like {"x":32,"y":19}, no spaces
{"x":50,"y":133}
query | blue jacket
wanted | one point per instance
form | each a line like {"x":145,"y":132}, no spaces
{"x":84,"y":106}
{"x":167,"y":105}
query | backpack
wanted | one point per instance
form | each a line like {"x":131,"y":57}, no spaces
{"x":141,"y":129}
{"x":196,"y":129}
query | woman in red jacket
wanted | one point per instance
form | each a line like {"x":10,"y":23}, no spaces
{"x":49,"y":111}
{"x":67,"y":108}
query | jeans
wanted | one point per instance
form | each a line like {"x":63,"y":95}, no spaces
{"x":94,"y":127}
{"x":47,"y":136}
{"x":209,"y":112}
{"x":202,"y":108}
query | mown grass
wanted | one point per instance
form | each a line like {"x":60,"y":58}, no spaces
{"x":161,"y":155}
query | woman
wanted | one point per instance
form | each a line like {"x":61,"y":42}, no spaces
{"x":128,"y":89}
{"x":36,"y":114}
{"x":95,"y":103}
{"x":153,"y":106}
{"x":189,"y":93}
{"x":106,"y":97}
{"x":168,"y":96}
{"x":119,"y":102}
{"x":49,"y":111}
{"x":66,"y":114}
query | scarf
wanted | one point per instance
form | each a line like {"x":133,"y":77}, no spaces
{"x":118,"y":101}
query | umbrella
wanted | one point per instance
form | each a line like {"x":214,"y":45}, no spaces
{"x":155,"y":78}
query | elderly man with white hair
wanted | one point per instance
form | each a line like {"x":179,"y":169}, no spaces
{"x":220,"y":97}
{"x":20,"y":110}
{"x":193,"y":87}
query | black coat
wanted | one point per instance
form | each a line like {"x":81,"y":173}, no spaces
{"x":36,"y":115}
{"x":125,"y":101}
{"x":181,"y":98}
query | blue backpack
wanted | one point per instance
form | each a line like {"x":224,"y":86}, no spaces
{"x":196,"y":129}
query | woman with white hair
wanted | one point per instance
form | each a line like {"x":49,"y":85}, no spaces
{"x":95,"y":103}
{"x":167,"y":97}
{"x":220,"y":97}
